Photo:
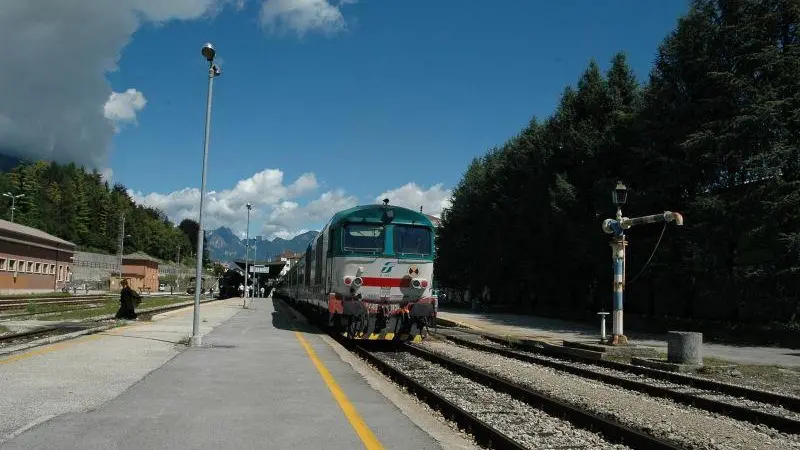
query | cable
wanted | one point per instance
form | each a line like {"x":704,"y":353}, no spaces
{"x":651,"y":255}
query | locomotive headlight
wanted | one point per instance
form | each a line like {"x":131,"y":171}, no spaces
{"x":357,"y":281}
{"x":419,"y":283}
{"x":347,"y":281}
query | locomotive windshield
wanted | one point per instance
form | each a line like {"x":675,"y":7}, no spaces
{"x":410,"y":240}
{"x":363,"y":238}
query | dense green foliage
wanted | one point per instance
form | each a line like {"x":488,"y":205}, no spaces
{"x":76,"y":205}
{"x":714,"y":134}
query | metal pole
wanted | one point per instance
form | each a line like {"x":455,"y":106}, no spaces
{"x":617,"y":227}
{"x":196,"y":341}
{"x":121,"y":246}
{"x":246,"y":255}
{"x":618,"y":256}
{"x":13,"y":207}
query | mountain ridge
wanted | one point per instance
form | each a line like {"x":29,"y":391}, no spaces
{"x":223,"y":244}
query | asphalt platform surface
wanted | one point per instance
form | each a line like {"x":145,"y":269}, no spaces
{"x":252,"y":385}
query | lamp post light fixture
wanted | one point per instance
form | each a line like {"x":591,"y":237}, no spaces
{"x":246,"y":254}
{"x":13,"y":202}
{"x":122,"y":250}
{"x":619,"y":196}
{"x":213,"y":71}
{"x":617,"y":227}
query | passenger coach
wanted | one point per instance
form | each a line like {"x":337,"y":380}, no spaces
{"x":368,"y":273}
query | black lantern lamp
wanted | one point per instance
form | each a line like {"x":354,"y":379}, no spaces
{"x":619,"y":195}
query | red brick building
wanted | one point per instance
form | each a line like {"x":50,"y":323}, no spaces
{"x":141,"y":270}
{"x":33,"y":260}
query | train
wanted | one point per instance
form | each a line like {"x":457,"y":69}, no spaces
{"x":368,"y":274}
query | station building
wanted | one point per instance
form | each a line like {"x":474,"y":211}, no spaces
{"x":141,"y":270}
{"x":32,"y":260}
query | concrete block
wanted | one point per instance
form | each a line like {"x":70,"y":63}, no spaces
{"x":685,"y":347}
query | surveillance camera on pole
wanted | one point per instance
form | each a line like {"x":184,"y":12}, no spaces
{"x":209,"y":53}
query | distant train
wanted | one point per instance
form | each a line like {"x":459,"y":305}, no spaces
{"x":368,"y":274}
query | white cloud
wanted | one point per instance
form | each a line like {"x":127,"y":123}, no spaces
{"x":278,"y":208}
{"x":264,"y":190}
{"x":302,"y":16}
{"x":433,"y":200}
{"x":56,"y":104}
{"x":121,"y":107}
{"x":107,"y":174}
{"x":288,"y":217}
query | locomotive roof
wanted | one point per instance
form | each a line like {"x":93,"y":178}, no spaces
{"x":374,"y":213}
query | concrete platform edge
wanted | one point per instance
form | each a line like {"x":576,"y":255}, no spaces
{"x":449,"y":438}
{"x":54,"y":339}
{"x":65,"y":337}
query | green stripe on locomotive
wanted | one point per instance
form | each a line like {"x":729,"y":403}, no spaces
{"x":388,"y":216}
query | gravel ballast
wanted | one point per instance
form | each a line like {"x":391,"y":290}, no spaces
{"x":519,"y":421}
{"x":676,"y":387}
{"x":663,"y":418}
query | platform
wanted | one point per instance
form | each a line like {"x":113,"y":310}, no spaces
{"x":265,"y":381}
{"x":556,"y":331}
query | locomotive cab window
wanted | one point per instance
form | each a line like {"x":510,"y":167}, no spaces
{"x":363,"y":238}
{"x":410,"y":240}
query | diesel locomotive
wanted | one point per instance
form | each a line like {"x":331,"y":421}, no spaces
{"x":368,"y":274}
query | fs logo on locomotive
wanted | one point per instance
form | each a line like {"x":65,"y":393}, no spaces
{"x":387,"y":267}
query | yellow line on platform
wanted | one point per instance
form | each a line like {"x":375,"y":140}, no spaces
{"x":367,"y":437}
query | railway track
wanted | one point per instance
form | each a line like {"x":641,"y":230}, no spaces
{"x":501,"y":414}
{"x":23,"y":302}
{"x":62,"y":328}
{"x":789,"y":402}
{"x":715,"y":397}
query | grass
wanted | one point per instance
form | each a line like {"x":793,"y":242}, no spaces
{"x":784,"y":380}
{"x":111,"y":306}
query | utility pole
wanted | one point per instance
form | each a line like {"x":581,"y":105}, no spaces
{"x":121,"y":244}
{"x":617,"y":228}
{"x":246,"y":254}
{"x":209,"y":53}
{"x":13,"y":202}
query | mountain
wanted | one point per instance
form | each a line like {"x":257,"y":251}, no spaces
{"x":224,"y":245}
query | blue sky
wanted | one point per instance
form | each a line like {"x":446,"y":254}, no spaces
{"x":374,"y":95}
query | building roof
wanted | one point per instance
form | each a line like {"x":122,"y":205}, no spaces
{"x":290,"y":254}
{"x":140,"y":256}
{"x":32,"y":232}
{"x":374,"y":214}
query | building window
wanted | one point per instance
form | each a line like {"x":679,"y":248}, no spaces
{"x":52,"y":269}
{"x":12,"y":264}
{"x":60,"y":273}
{"x":30,"y":266}
{"x":3,"y":264}
{"x":38,"y":268}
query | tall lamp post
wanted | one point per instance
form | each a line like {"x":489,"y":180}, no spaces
{"x":617,"y":227}
{"x":122,"y":252}
{"x":13,"y":202}
{"x":246,"y":254}
{"x":213,"y":71}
